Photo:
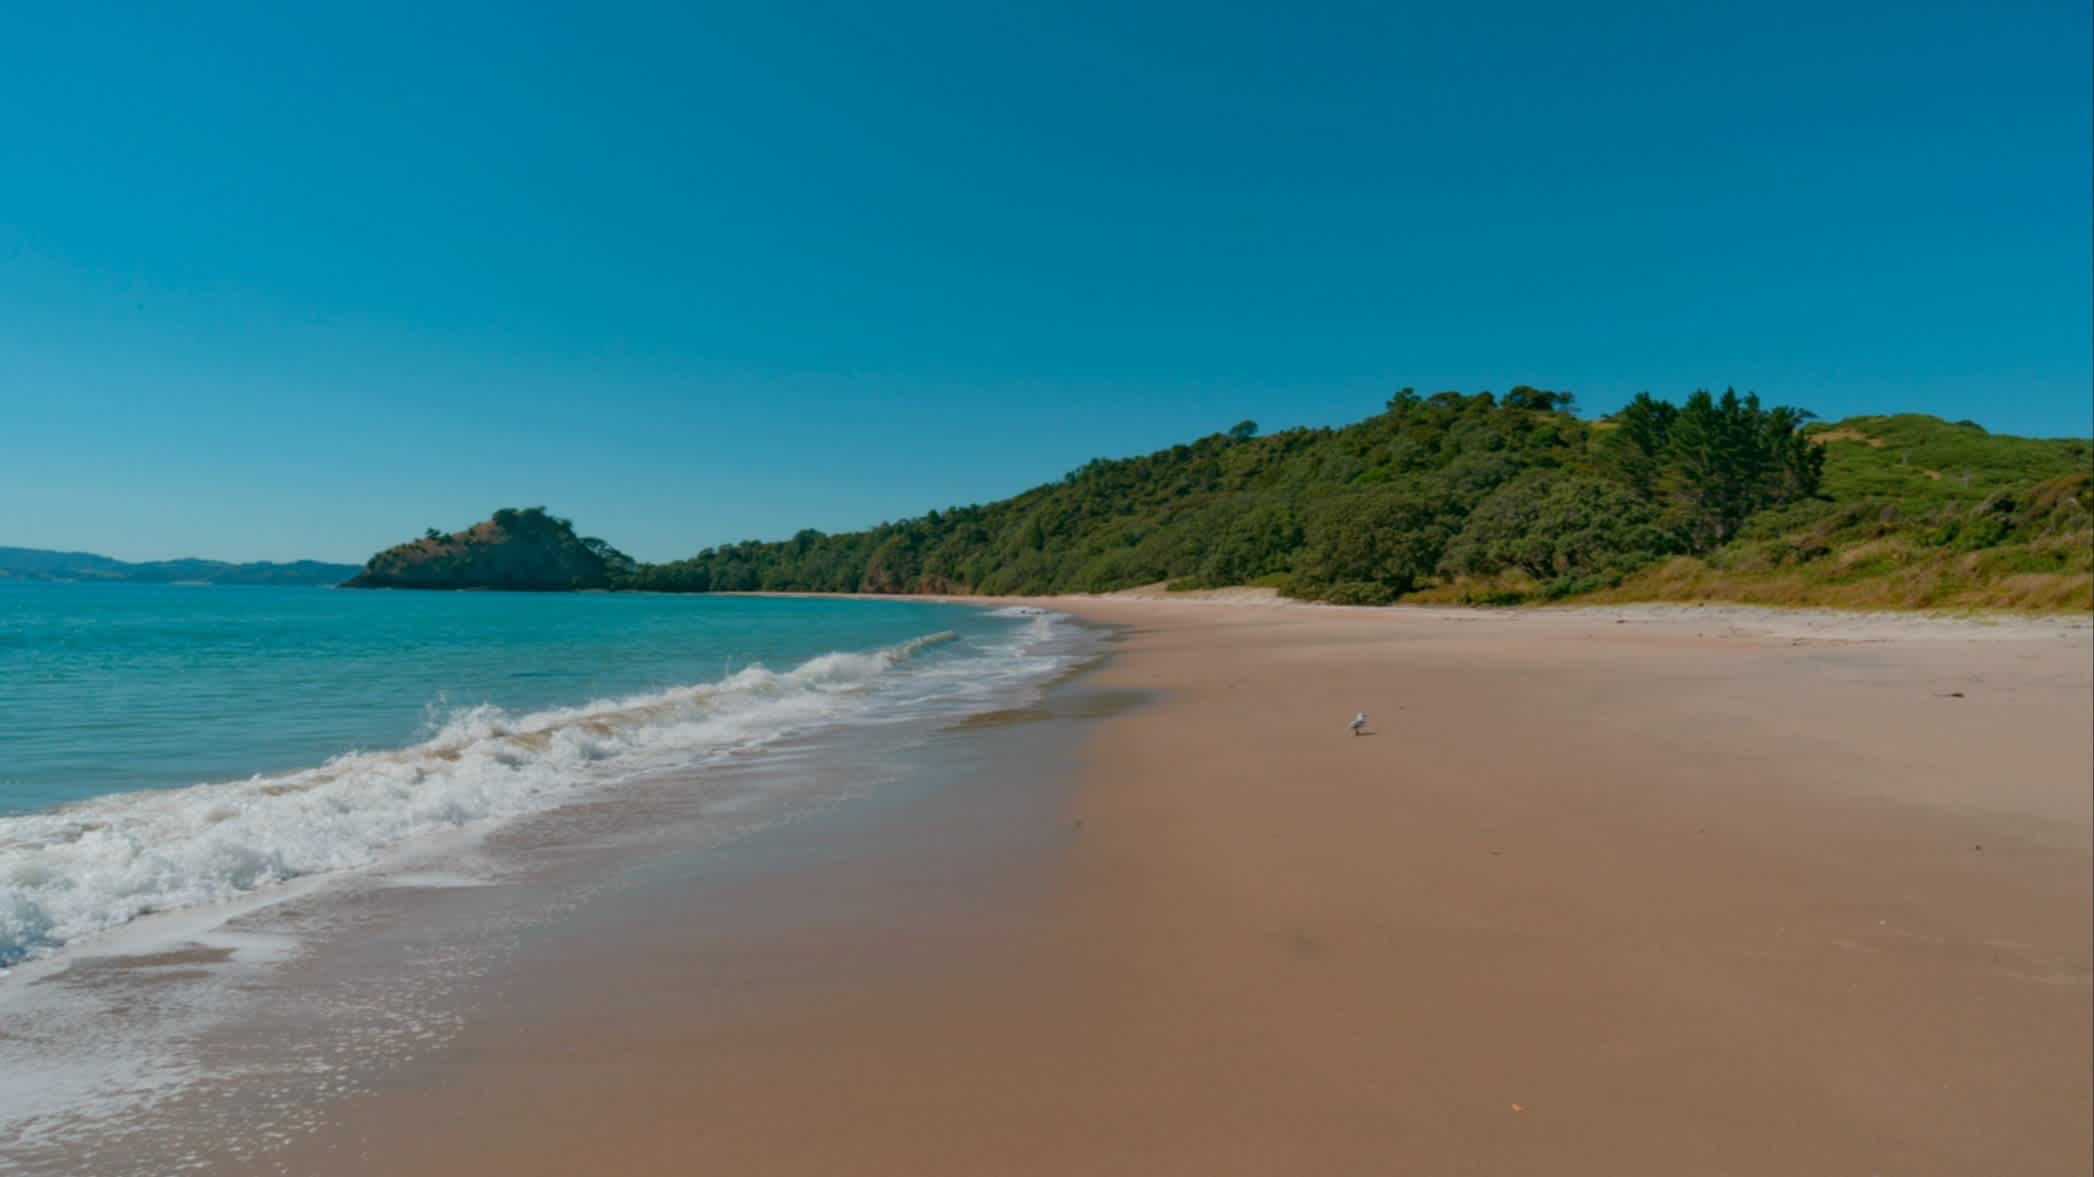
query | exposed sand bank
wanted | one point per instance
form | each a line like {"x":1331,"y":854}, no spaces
{"x":1605,"y":892}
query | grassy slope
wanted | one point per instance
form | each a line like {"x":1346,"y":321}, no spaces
{"x":1921,"y":514}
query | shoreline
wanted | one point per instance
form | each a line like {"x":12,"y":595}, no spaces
{"x":961,"y":831}
{"x":132,"y":1049}
{"x":1593,"y":900}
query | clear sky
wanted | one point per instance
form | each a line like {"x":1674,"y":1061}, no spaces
{"x":283,"y":280}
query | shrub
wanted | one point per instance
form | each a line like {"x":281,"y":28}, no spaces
{"x":1358,"y":592}
{"x":1549,"y":525}
{"x":1389,"y":537}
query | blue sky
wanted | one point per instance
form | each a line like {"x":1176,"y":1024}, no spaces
{"x":300,"y":280}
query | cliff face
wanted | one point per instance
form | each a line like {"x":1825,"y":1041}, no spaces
{"x":521,"y":550}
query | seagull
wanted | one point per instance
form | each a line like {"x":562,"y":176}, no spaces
{"x":1359,"y":721}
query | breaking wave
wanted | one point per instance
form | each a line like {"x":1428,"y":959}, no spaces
{"x":94,"y":865}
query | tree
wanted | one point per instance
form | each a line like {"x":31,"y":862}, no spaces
{"x":1637,"y":445}
{"x":1712,"y":462}
{"x":1243,"y":430}
{"x":1796,"y":464}
{"x":1250,"y":541}
{"x":619,"y":566}
{"x":1549,"y":525}
{"x":1726,"y":458}
{"x":1539,"y":400}
{"x":1389,"y":537}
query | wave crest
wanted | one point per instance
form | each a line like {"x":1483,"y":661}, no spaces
{"x":95,"y":865}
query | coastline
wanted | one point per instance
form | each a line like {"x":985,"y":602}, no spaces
{"x":1664,"y":896}
{"x":130,"y":1045}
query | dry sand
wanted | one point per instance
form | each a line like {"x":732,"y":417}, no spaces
{"x":1609,"y":892}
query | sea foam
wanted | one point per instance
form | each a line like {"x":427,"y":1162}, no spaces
{"x":88,"y":867}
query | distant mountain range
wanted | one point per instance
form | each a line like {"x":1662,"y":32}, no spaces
{"x":38,"y":564}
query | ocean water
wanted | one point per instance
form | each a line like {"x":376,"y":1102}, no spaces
{"x":165,"y":748}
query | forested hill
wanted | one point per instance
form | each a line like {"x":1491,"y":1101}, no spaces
{"x":1493,"y":499}
{"x":1477,"y":498}
{"x":522,"y":550}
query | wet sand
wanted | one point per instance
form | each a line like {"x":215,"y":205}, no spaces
{"x":1607,"y":892}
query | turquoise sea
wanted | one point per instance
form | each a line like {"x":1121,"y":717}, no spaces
{"x":164,"y":747}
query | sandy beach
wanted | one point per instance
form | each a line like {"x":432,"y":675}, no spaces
{"x":1606,"y":891}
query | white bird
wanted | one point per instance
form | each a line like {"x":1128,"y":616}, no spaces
{"x":1359,"y":721}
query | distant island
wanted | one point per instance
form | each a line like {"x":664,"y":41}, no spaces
{"x":38,"y":564}
{"x":1451,"y":498}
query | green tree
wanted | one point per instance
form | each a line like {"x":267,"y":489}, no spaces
{"x":1637,"y":446}
{"x":1550,"y":525}
{"x":1255,"y":538}
{"x":1726,"y":458}
{"x":1390,"y":537}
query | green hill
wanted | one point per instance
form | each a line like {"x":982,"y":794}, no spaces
{"x":1498,"y":500}
{"x":1483,"y":499}
{"x":1916,"y":513}
{"x":522,"y":550}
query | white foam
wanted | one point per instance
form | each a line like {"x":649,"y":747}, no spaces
{"x":73,"y":872}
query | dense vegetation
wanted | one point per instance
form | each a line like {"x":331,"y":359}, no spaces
{"x":1495,"y":499}
{"x":1913,"y":512}
{"x":1433,"y":488}
{"x":523,"y":549}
